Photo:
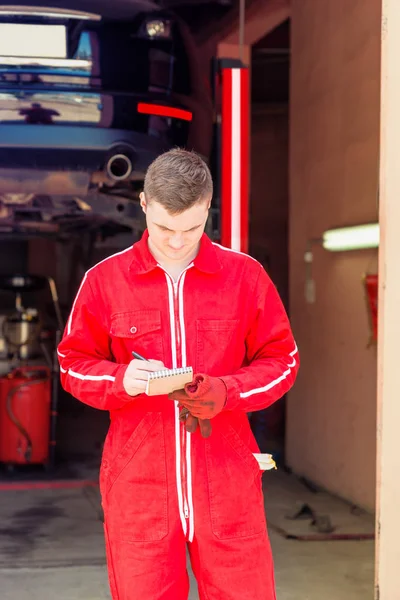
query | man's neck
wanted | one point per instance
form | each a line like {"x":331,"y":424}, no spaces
{"x":173,"y":268}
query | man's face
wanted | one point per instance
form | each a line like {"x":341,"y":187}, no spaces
{"x":175,"y":237}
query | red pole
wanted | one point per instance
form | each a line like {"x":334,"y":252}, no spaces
{"x":235,"y":117}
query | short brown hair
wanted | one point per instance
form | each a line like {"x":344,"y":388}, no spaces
{"x":178,"y":179}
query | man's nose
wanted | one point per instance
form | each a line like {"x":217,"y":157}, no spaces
{"x":176,"y":241}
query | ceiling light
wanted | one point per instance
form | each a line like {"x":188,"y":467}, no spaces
{"x":358,"y":237}
{"x":46,"y":12}
{"x":158,"y":28}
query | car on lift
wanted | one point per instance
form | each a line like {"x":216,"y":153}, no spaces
{"x":87,"y":101}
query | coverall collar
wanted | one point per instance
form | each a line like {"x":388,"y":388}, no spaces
{"x":144,"y":262}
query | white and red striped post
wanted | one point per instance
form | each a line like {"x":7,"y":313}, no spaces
{"x":235,"y":130}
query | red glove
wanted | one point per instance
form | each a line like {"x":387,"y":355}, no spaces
{"x":204,"y":397}
{"x":192,"y":422}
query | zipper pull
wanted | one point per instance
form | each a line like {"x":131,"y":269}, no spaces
{"x":185,"y":508}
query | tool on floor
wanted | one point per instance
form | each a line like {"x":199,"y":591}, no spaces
{"x":322,"y":523}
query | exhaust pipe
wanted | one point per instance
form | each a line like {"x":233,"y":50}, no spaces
{"x":119,"y":167}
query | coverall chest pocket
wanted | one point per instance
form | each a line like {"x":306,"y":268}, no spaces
{"x":134,"y":485}
{"x":216,"y":346}
{"x":138,"y":330}
{"x":234,"y":483}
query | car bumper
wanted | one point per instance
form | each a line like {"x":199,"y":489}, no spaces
{"x":80,"y":148}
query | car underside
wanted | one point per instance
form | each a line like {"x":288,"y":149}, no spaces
{"x":87,"y":101}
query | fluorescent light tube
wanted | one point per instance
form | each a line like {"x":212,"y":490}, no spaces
{"x":46,"y":12}
{"x":358,"y":237}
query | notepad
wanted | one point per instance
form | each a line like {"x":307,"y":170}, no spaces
{"x":168,"y":380}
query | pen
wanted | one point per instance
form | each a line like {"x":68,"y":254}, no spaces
{"x":138,"y":356}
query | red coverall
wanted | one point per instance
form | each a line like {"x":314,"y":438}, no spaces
{"x":162,"y":487}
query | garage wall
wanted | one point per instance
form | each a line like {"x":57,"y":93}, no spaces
{"x":333,"y":181}
{"x":268,"y":217}
{"x":268,"y":220}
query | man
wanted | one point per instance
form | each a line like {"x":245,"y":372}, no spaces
{"x":177,"y":299}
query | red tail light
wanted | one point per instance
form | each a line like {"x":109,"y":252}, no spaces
{"x":164,"y":111}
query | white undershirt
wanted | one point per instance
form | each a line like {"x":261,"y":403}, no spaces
{"x":174,"y":269}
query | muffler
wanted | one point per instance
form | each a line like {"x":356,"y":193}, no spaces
{"x":119,"y":167}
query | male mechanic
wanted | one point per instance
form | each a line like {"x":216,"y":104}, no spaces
{"x":177,"y":299}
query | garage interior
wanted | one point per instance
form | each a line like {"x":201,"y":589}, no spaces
{"x":314,"y":165}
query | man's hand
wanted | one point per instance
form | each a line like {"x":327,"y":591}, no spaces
{"x":137,"y":373}
{"x":204,"y":397}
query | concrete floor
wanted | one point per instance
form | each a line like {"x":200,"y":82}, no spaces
{"x":323,"y":570}
{"x":59,"y":529}
{"x":304,"y":571}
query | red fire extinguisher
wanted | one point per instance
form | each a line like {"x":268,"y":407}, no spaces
{"x":25,"y":401}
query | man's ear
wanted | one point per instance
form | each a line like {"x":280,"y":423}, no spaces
{"x":143,"y":202}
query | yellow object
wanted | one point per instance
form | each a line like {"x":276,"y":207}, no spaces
{"x":265,"y":461}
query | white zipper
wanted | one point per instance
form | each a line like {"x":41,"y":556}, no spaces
{"x":185,"y":496}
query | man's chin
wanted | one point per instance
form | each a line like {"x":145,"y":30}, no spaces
{"x":177,"y":255}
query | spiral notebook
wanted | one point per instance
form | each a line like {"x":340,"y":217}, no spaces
{"x":168,"y":380}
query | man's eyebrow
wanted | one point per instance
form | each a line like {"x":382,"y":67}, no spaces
{"x":168,"y":229}
{"x":194,"y":227}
